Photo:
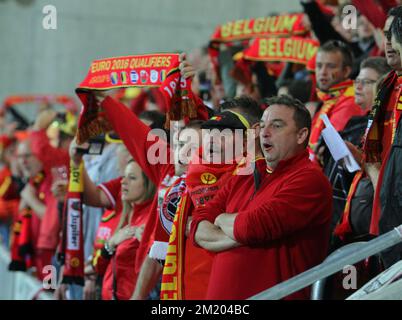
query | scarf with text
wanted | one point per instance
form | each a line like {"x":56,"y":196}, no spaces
{"x":154,"y":70}
{"x":203,"y":181}
{"x":274,"y":26}
{"x":294,"y":49}
{"x":245,"y":29}
{"x":73,"y":242}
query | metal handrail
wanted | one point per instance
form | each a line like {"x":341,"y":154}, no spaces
{"x":317,"y":289}
{"x":351,"y":256}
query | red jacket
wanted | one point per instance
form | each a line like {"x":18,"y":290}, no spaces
{"x":284,"y":228}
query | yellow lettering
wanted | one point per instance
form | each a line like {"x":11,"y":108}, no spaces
{"x":271,"y":47}
{"x":237,"y":27}
{"x":301,"y":51}
{"x":167,"y":297}
{"x":287,"y":48}
{"x":288,"y":23}
{"x":311,"y":51}
{"x":169,"y":285}
{"x":262,"y":49}
{"x":168,"y":61}
{"x":274,"y":25}
{"x":226,"y":30}
{"x":258,"y":25}
{"x":246,"y":29}
{"x":158,"y":62}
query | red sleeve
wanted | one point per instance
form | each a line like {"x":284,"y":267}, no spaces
{"x":342,"y":113}
{"x":211,"y":210}
{"x":112,"y":190}
{"x":304,"y":201}
{"x":48,"y":155}
{"x":134,"y":134}
{"x":372,"y":11}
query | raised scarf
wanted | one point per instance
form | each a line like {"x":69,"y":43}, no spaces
{"x":203,"y":181}
{"x":154,"y":70}
{"x":294,"y":49}
{"x":273,"y":26}
{"x":245,"y":29}
{"x":73,"y":240}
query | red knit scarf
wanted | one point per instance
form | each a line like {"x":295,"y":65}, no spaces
{"x":203,"y":181}
{"x":156,"y":70}
{"x":329,"y":100}
{"x":73,"y":241}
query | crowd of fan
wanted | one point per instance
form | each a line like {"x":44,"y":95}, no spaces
{"x":204,"y":231}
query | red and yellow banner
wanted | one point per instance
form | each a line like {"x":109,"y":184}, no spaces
{"x":151,"y":70}
{"x":274,"y":26}
{"x":295,"y":49}
{"x":130,"y":71}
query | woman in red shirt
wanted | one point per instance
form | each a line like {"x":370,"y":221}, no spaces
{"x":136,"y":194}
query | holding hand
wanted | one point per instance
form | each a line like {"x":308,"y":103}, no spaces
{"x":44,"y":119}
{"x":186,"y":69}
{"x":123,"y":234}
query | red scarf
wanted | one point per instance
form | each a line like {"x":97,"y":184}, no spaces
{"x":156,"y":70}
{"x":329,"y":99}
{"x":25,"y":238}
{"x":294,"y":49}
{"x":17,"y":260}
{"x":203,"y":181}
{"x":274,"y":26}
{"x":73,"y":240}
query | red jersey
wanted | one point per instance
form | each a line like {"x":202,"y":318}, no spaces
{"x":283,"y":228}
{"x":121,"y":275}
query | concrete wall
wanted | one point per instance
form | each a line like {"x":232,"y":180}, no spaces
{"x":34,"y":60}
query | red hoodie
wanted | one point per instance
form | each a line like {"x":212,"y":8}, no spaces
{"x":284,"y":228}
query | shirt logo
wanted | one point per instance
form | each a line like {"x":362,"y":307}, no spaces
{"x":208,"y":178}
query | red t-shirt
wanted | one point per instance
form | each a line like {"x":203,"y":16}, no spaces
{"x":284,"y":228}
{"x":124,"y":261}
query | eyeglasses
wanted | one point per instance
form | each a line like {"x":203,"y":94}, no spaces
{"x":364,"y":82}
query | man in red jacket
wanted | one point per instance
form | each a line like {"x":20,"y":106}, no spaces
{"x":263,"y":236}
